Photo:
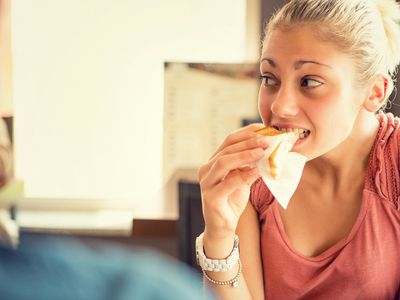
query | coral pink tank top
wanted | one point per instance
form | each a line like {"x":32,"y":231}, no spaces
{"x":363,"y":265}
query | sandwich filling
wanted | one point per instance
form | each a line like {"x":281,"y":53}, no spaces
{"x":278,"y":154}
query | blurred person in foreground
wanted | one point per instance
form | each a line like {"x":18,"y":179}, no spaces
{"x":60,"y":267}
{"x":51,"y":267}
{"x":54,"y":267}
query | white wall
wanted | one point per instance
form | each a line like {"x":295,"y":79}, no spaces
{"x":5,"y":60}
{"x":88,"y":88}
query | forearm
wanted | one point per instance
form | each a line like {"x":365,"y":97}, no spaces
{"x":225,"y":188}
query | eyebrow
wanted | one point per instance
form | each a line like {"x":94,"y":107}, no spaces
{"x":297,"y":65}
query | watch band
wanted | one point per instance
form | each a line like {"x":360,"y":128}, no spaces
{"x":216,"y":265}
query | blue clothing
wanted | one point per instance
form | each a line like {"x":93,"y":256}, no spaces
{"x":62,"y":268}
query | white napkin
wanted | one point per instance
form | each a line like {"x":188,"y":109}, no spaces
{"x":283,"y":187}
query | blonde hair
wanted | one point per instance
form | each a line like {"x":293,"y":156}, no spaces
{"x":368,"y":30}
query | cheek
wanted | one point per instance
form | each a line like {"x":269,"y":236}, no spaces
{"x":328,"y":116}
{"x":333,"y":119}
{"x":336,"y":106}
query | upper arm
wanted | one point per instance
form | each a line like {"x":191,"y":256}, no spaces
{"x":248,"y":230}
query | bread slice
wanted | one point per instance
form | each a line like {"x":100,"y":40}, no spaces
{"x":269,"y":131}
{"x":278,"y":154}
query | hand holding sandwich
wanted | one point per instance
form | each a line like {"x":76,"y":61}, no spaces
{"x":226,"y":178}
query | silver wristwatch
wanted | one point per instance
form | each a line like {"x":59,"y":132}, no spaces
{"x":216,"y":265}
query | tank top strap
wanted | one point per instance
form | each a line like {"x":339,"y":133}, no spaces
{"x":383,"y":171}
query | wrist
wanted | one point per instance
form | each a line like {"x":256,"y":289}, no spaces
{"x":218,"y":247}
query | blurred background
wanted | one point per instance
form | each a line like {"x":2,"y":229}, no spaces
{"x":112,"y":105}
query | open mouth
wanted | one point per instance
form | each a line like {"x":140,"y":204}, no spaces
{"x":301,"y":132}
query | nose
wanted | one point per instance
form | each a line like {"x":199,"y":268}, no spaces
{"x":285,"y":104}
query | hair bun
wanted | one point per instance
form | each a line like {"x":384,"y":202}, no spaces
{"x":390,"y":14}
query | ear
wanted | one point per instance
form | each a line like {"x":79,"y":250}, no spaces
{"x":380,"y":87}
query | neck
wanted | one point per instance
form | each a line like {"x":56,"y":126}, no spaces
{"x":344,"y":167}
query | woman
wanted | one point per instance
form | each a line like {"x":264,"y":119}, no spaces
{"x":326,"y":67}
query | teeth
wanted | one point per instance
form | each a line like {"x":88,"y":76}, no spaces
{"x":295,"y":130}
{"x":302,"y":133}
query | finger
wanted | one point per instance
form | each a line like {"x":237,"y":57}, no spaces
{"x":204,"y":169}
{"x":259,"y":141}
{"x":236,"y":181}
{"x":225,"y":164}
{"x":240,"y":135}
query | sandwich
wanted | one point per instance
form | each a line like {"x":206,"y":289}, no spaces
{"x":282,"y":148}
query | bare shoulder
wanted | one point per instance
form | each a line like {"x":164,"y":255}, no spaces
{"x":248,"y":231}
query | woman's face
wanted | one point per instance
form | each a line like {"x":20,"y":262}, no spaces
{"x":308,"y":84}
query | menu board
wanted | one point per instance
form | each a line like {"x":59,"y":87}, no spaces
{"x":203,"y":103}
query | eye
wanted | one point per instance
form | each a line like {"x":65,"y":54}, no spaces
{"x":268,"y":80}
{"x":311,"y":83}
